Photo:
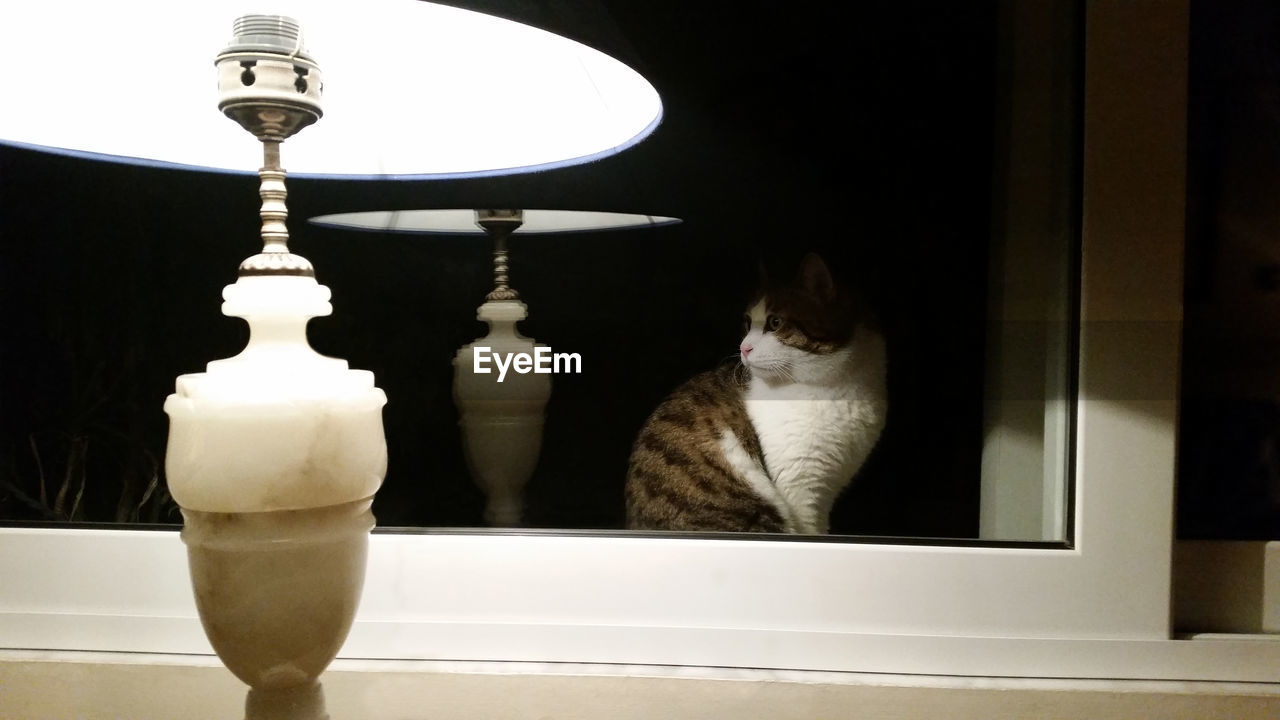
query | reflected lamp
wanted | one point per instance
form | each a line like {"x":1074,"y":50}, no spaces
{"x":501,"y":417}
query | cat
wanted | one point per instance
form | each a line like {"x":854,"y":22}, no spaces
{"x":768,"y":443}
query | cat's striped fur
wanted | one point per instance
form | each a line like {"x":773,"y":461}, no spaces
{"x":681,"y":477}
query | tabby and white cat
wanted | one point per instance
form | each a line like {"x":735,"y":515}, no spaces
{"x":768,"y":444}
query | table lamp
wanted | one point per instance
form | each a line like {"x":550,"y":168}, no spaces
{"x":275,"y":454}
{"x":501,"y":416}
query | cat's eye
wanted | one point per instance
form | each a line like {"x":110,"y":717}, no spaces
{"x":746,"y":323}
{"x":773,"y":322}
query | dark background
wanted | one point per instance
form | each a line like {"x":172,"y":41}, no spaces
{"x":860,"y":130}
{"x":1229,"y":473}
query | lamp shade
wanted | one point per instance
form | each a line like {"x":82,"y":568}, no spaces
{"x":463,"y":222}
{"x":411,"y":89}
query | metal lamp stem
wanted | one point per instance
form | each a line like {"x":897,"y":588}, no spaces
{"x":274,"y":213}
{"x":499,"y":224}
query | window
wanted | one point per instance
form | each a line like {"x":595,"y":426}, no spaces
{"x":1227,"y":485}
{"x":1228,"y":499}
{"x":1098,"y":608}
{"x":960,"y":228}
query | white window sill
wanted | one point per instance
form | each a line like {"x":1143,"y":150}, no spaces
{"x":91,"y":686}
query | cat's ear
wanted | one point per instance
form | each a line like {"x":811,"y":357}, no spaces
{"x":815,"y":279}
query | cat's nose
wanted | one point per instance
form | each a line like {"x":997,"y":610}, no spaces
{"x":746,"y":349}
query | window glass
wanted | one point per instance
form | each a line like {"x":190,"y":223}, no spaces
{"x":1229,"y":480}
{"x":927,"y":152}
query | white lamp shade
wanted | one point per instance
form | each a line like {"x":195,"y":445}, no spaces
{"x":410,"y":88}
{"x":463,"y":222}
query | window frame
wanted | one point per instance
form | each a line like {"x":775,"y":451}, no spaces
{"x":1100,"y":607}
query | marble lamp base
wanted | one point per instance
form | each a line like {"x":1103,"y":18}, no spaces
{"x":277,"y":591}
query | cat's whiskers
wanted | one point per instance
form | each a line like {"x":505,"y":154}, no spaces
{"x":783,"y":367}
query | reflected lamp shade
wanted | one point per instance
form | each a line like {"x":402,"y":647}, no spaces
{"x":463,"y":222}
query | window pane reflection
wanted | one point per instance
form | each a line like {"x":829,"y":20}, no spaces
{"x":927,"y":151}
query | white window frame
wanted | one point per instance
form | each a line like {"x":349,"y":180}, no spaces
{"x":1030,"y":303}
{"x":1097,"y":609}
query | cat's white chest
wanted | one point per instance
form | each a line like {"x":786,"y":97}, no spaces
{"x":814,"y":439}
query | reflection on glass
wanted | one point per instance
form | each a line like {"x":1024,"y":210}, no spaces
{"x":940,"y":187}
{"x":1030,"y":304}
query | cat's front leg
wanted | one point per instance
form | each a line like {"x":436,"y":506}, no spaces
{"x":751,"y":472}
{"x":809,"y":511}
